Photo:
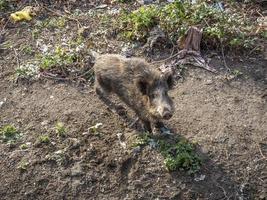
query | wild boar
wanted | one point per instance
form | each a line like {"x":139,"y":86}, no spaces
{"x":138,"y":84}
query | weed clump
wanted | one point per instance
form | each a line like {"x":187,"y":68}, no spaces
{"x":59,"y":57}
{"x":60,"y":129}
{"x":70,"y":61}
{"x":24,"y":146}
{"x":142,"y":140}
{"x":3,"y":5}
{"x":52,"y":23}
{"x":44,"y":139}
{"x":138,"y":23}
{"x":27,"y":70}
{"x":178,"y":154}
{"x":23,"y":165}
{"x":9,"y":134}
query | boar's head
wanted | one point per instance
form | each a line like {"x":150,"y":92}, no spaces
{"x":155,"y":92}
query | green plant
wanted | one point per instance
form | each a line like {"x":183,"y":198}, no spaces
{"x":142,"y":140}
{"x":59,"y":57}
{"x":27,"y":49}
{"x":180,"y":155}
{"x":230,"y":28}
{"x":24,"y":146}
{"x":95,"y":129}
{"x":3,"y":5}
{"x":60,"y":129}
{"x":35,"y":33}
{"x":138,"y":23}
{"x":44,"y":139}
{"x":49,"y":61}
{"x":27,"y":70}
{"x":51,"y":23}
{"x":237,"y":73}
{"x":23,"y":165}
{"x":9,"y":134}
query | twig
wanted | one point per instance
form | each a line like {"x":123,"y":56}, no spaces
{"x":224,"y":61}
{"x":17,"y":57}
{"x":170,"y":57}
{"x":259,"y":13}
{"x":45,"y":75}
{"x":85,"y":73}
{"x":263,"y":156}
{"x":134,"y":122}
{"x":254,"y":49}
{"x":224,"y":192}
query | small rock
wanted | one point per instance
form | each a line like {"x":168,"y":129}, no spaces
{"x":200,"y":178}
{"x":136,"y":150}
{"x":165,"y":131}
{"x":74,"y":143}
{"x":122,"y":143}
{"x":153,"y":144}
{"x":59,"y":152}
{"x":76,"y":170}
{"x":2,"y":102}
{"x":102,"y":6}
{"x":263,"y":196}
{"x":208,"y":82}
{"x":44,"y":123}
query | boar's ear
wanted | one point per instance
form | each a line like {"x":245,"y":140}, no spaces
{"x":142,"y":86}
{"x":169,"y":79}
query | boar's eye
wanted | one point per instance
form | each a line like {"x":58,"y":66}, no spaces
{"x":153,"y":96}
{"x":143,"y":86}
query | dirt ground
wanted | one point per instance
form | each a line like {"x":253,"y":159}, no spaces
{"x":226,"y":116}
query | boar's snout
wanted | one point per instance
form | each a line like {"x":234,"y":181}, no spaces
{"x":165,"y":111}
{"x":166,"y":114}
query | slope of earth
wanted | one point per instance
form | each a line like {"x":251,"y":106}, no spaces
{"x":225,"y":114}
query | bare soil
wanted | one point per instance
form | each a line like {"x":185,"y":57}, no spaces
{"x":226,"y":115}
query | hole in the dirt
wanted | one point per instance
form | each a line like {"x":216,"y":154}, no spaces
{"x":126,"y":166}
{"x":42,"y":182}
{"x":111,"y":166}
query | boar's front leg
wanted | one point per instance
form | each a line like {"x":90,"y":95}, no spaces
{"x":147,"y":125}
{"x":159,"y":125}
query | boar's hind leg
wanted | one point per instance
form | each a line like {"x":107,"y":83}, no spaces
{"x":102,"y":93}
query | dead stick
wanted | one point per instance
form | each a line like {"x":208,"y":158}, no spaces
{"x":224,"y":61}
{"x":17,"y":57}
{"x":170,"y":57}
{"x":263,"y":156}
